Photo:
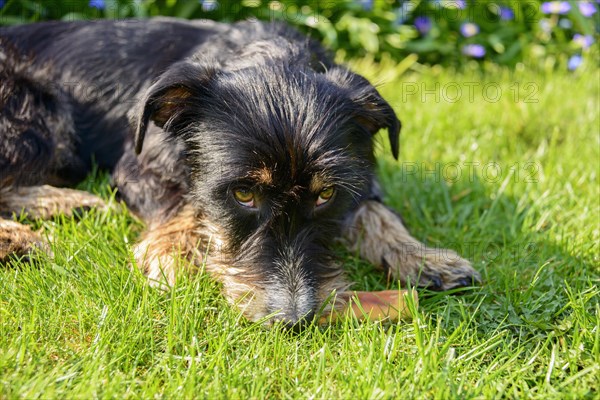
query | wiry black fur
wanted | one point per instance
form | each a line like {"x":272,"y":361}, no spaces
{"x":35,"y":123}
{"x":215,"y":102}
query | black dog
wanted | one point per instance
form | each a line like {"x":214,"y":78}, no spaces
{"x":254,"y":154}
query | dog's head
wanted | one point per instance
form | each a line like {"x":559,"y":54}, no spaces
{"x":279,"y":156}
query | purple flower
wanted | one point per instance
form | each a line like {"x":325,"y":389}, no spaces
{"x":555,"y":7}
{"x":209,"y":5}
{"x":574,"y":62}
{"x":469,"y":29}
{"x":473,"y":50}
{"x":99,"y":4}
{"x":506,"y":14}
{"x":1,"y":3}
{"x":423,"y":24}
{"x":587,"y":9}
{"x":583,"y":41}
{"x":457,"y":4}
{"x":460,"y":4}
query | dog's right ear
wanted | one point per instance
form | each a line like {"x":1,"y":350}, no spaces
{"x":175,"y":90}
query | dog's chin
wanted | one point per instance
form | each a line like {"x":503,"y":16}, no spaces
{"x":289,"y":298}
{"x":271,"y":302}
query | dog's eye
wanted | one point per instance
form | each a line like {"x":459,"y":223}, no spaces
{"x":325,"y":195}
{"x":245,"y":197}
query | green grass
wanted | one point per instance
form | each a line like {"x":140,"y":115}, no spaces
{"x":82,"y":325}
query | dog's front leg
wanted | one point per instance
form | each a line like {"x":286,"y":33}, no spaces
{"x":45,"y":201}
{"x":182,"y":241}
{"x":379,"y":236}
{"x":37,"y":202}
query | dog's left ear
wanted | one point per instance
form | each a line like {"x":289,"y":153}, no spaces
{"x":179,"y":87}
{"x":372,"y":111}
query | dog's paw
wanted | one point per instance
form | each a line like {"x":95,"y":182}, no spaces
{"x":47,"y":201}
{"x":432,"y":268}
{"x":18,"y":240}
{"x":158,"y":266}
{"x":444,"y":269}
{"x":379,"y":235}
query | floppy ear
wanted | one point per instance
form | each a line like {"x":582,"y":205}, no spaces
{"x":176,"y":89}
{"x":372,"y":111}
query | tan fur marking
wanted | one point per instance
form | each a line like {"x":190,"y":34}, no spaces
{"x":164,"y":244}
{"x":262,"y":175}
{"x":173,"y":100}
{"x":18,"y":240}
{"x":316,"y":184}
{"x":191,"y":238}
{"x":379,"y":236}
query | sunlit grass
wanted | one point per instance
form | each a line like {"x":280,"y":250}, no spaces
{"x":512,"y":184}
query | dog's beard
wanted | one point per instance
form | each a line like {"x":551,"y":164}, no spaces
{"x":290,"y":270}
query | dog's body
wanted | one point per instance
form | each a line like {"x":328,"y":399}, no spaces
{"x":255,"y":153}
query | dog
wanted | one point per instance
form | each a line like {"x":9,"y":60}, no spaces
{"x":244,"y":148}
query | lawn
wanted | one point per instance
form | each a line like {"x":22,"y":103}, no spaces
{"x":500,"y":165}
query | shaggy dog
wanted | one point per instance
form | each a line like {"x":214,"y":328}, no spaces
{"x":243,"y":147}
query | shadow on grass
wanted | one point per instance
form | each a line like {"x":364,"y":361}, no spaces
{"x":527,"y":276}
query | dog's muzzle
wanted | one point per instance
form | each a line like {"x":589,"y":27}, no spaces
{"x":291,"y":292}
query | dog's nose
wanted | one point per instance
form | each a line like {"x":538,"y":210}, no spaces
{"x":294,"y":323}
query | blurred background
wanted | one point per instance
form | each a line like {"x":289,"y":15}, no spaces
{"x":546,"y":35}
